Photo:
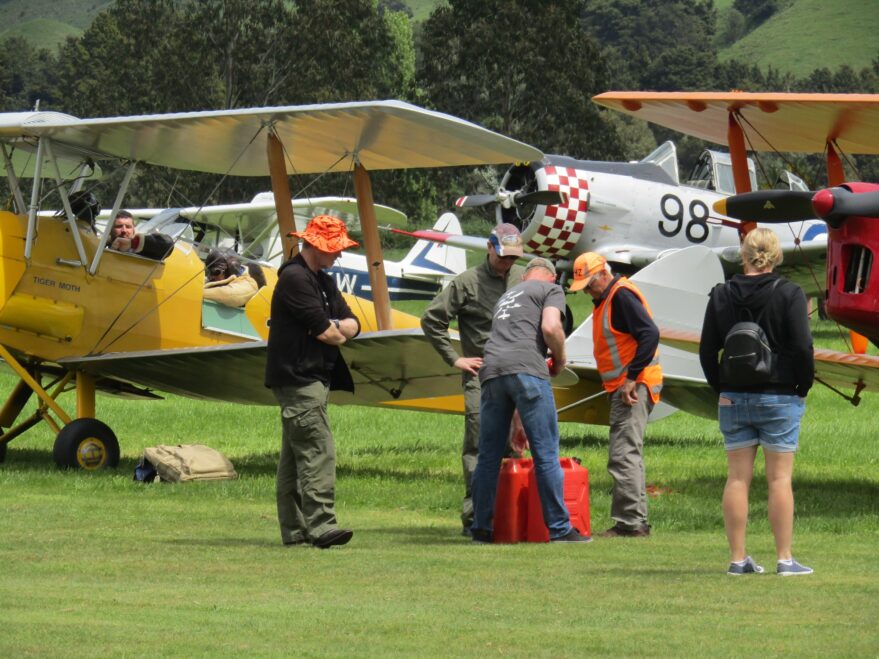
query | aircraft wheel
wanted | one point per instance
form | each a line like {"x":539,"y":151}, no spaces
{"x":86,"y":444}
{"x":3,"y":452}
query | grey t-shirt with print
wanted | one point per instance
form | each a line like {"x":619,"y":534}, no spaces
{"x":516,"y":342}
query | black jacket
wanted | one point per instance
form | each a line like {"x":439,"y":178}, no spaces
{"x":302,"y":305}
{"x":786,"y":323}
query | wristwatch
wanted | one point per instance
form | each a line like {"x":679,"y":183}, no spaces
{"x":338,"y":325}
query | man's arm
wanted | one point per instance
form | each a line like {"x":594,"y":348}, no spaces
{"x":435,"y":325}
{"x":554,"y":336}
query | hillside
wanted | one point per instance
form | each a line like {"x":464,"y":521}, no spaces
{"x":805,"y":35}
{"x":812,"y":34}
{"x":46,"y":23}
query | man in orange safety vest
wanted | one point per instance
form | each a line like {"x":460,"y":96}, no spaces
{"x":626,"y":342}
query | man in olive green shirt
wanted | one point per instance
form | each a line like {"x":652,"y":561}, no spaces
{"x":470,"y":297}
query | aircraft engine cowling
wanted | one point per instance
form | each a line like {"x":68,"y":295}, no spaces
{"x":548,"y":231}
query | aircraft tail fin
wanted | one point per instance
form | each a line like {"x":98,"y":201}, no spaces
{"x":436,"y":261}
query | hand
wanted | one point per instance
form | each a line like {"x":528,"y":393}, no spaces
{"x":469,"y":365}
{"x":121,"y":244}
{"x":518,"y":438}
{"x":630,"y":392}
{"x":555,"y":365}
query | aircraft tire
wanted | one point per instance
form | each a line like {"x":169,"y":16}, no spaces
{"x":3,"y":452}
{"x":86,"y":444}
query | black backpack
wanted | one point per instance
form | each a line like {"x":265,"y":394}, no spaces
{"x":747,"y":359}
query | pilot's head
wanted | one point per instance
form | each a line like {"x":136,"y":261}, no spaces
{"x":504,"y":248}
{"x":323,"y":241}
{"x":123,"y":226}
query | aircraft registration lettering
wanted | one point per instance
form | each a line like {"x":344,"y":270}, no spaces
{"x":672,"y":209}
{"x":347,"y":282}
{"x":51,"y":283}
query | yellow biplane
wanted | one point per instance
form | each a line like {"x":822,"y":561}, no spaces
{"x":77,"y":315}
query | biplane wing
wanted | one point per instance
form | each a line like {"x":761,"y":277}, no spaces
{"x":317,"y":138}
{"x":837,"y":369}
{"x":386,"y":365}
{"x":798,"y":123}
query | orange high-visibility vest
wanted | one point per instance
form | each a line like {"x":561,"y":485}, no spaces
{"x":614,"y":350}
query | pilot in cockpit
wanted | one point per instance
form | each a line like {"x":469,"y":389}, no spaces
{"x":124,"y":238}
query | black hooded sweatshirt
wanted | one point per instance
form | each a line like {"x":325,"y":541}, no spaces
{"x":785,"y":321}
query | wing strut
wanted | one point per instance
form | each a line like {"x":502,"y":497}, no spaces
{"x":281,"y":192}
{"x":374,"y":259}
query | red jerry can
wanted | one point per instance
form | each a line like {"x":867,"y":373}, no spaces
{"x":511,"y":504}
{"x":576,"y":496}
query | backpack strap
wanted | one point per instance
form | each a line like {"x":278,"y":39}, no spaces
{"x":766,"y":306}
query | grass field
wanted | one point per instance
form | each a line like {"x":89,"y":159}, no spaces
{"x":98,"y":565}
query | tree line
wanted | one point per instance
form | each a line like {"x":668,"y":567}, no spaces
{"x":526,"y":68}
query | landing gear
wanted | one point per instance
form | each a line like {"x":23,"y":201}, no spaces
{"x":86,"y":444}
{"x":2,"y":452}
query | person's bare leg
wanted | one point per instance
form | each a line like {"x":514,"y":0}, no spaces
{"x":779,"y":471}
{"x":735,"y":499}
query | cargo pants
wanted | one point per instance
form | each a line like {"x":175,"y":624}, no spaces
{"x":306,"y":480}
{"x":470,"y":447}
{"x":625,"y":462}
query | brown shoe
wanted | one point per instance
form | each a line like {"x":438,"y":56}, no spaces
{"x":620,"y":531}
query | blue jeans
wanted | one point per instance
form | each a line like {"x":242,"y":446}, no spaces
{"x":770,"y":420}
{"x":532,"y":396}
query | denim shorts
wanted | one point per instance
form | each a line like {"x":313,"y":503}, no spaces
{"x":769,"y":420}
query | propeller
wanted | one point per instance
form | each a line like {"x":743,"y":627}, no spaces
{"x":510,"y":198}
{"x":833,"y":205}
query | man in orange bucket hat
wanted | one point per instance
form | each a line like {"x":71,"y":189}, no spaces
{"x":309,"y":321}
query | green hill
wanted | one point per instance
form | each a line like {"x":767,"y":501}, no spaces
{"x":811,"y":34}
{"x":42,"y":32}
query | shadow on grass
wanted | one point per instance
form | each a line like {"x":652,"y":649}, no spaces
{"x":430,"y":536}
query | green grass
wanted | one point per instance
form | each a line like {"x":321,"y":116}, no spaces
{"x":812,"y":34}
{"x":97,"y":565}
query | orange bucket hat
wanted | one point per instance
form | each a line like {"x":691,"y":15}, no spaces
{"x":586,"y":266}
{"x":326,"y":233}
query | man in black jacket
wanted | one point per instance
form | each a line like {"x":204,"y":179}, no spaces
{"x":309,"y":320}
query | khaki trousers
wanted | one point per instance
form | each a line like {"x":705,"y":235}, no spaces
{"x":306,"y":482}
{"x":625,"y":462}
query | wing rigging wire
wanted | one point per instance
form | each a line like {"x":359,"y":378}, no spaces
{"x":152,"y":270}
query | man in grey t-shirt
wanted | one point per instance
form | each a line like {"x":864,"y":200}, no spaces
{"x":515,"y":376}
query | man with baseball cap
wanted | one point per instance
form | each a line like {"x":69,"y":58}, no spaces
{"x":470,"y":297}
{"x":515,"y":377}
{"x":309,"y":320}
{"x":626,"y":343}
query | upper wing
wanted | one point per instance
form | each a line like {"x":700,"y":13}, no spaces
{"x":798,"y":123}
{"x":317,"y":138}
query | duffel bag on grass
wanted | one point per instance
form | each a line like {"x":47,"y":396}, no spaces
{"x":189,"y":462}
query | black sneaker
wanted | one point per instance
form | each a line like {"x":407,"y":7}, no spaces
{"x":572,"y":536}
{"x":481,"y":537}
{"x":333,"y":537}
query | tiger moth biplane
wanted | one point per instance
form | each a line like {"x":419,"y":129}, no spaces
{"x":76,"y":315}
